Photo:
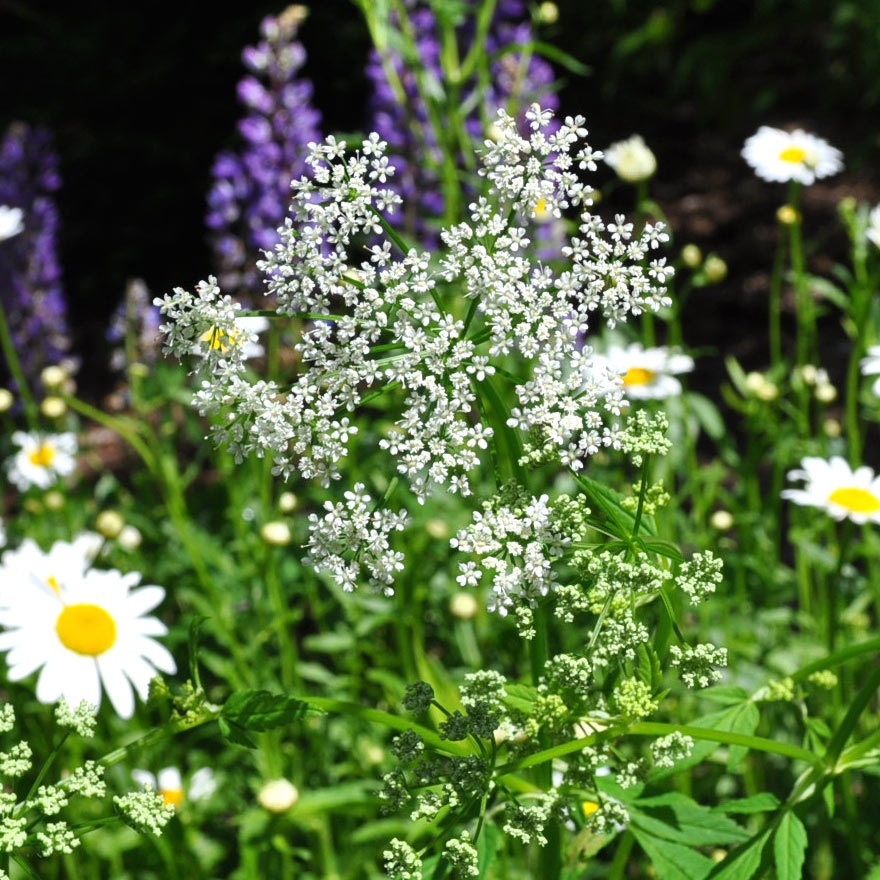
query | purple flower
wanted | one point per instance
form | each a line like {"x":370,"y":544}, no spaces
{"x":134,"y":327}
{"x":400,"y":116}
{"x":249,"y":198}
{"x":30,"y":273}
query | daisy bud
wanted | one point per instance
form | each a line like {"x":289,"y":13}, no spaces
{"x":287,"y":502}
{"x":437,"y":528}
{"x":722,"y":520}
{"x":754,"y":381}
{"x":276,"y":532}
{"x":130,"y":538}
{"x":53,"y":407}
{"x":463,"y":606}
{"x":715,"y":269}
{"x":808,"y":374}
{"x":6,"y":400}
{"x":632,"y":159}
{"x":832,"y":428}
{"x":787,"y":215}
{"x":53,"y":376}
{"x":110,"y":523}
{"x":767,"y":391}
{"x":825,"y":392}
{"x":548,"y":13}
{"x":691,"y":256}
{"x":139,"y":370}
{"x":278,"y":796}
{"x":54,"y":500}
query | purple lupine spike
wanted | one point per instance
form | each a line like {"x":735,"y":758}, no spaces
{"x":414,"y":151}
{"x":249,"y":198}
{"x":133,"y":330}
{"x":30,"y":272}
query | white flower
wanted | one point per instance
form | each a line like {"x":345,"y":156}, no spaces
{"x":41,"y":459}
{"x":169,"y":784}
{"x":834,"y":487}
{"x":28,"y":566}
{"x":873,"y":231}
{"x":11,"y":222}
{"x":83,"y":629}
{"x":646,"y":373}
{"x":632,"y":159}
{"x":781,"y":155}
{"x":871,"y":366}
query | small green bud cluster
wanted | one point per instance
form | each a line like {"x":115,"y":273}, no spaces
{"x":633,"y":699}
{"x":401,"y":861}
{"x":655,"y":498}
{"x":145,"y":811}
{"x":645,"y":434}
{"x":462,"y":855}
{"x":700,"y":576}
{"x":526,"y":822}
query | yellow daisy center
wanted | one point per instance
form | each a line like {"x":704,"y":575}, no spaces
{"x":855,"y":500}
{"x":173,"y":797}
{"x":795,"y":155}
{"x":638,"y":376}
{"x":86,"y":629}
{"x":43,"y":456}
{"x":589,"y":807}
{"x":220,"y":340}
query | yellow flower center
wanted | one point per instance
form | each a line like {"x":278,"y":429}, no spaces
{"x":43,"y":456}
{"x":86,"y":629}
{"x":795,"y":155}
{"x":856,"y":500}
{"x":589,"y":807}
{"x":541,"y":212}
{"x":173,"y":797}
{"x":638,"y":376}
{"x":220,"y":340}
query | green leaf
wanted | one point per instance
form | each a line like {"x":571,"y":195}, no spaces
{"x":743,"y":862}
{"x":193,"y":647}
{"x":672,"y":861}
{"x":790,"y":847}
{"x":648,"y":667}
{"x":487,"y":848}
{"x":707,"y":414}
{"x":609,"y":502}
{"x":757,"y":803}
{"x":521,"y":697}
{"x":548,"y":50}
{"x":329,"y":642}
{"x":258,"y":710}
{"x":662,"y":547}
{"x":680,"y":819}
{"x":726,"y":694}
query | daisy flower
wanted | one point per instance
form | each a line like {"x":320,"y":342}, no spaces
{"x":169,"y":784}
{"x":248,"y":330}
{"x":871,"y":366}
{"x":10,"y":222}
{"x":632,"y":159}
{"x":30,"y":566}
{"x":834,"y":487}
{"x":84,"y":629}
{"x":781,"y":156}
{"x":41,"y":459}
{"x":873,"y":231}
{"x":646,"y":373}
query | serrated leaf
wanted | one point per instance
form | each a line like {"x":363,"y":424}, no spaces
{"x":262,"y":710}
{"x":790,"y":847}
{"x":648,"y":666}
{"x":235,"y":733}
{"x":662,"y":547}
{"x":520,"y":697}
{"x":672,"y":861}
{"x":757,"y":803}
{"x":743,"y":862}
{"x":676,"y":817}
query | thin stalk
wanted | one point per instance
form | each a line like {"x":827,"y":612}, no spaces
{"x":17,"y":373}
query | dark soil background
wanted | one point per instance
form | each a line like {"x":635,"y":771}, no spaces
{"x":141,"y":96}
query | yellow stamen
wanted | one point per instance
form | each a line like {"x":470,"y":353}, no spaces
{"x":220,"y":340}
{"x":43,"y":456}
{"x":52,"y":581}
{"x":855,"y":500}
{"x":541,"y":211}
{"x":172,"y":797}
{"x":86,"y":629}
{"x":638,"y":376}
{"x":795,"y":155}
{"x":589,"y":807}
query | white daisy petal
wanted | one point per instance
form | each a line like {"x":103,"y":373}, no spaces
{"x":117,"y":686}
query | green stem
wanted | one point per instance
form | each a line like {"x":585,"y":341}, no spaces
{"x":17,"y":373}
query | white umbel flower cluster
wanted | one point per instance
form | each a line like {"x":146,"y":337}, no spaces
{"x":430,"y":332}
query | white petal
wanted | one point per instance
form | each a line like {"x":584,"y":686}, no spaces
{"x":116,"y":684}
